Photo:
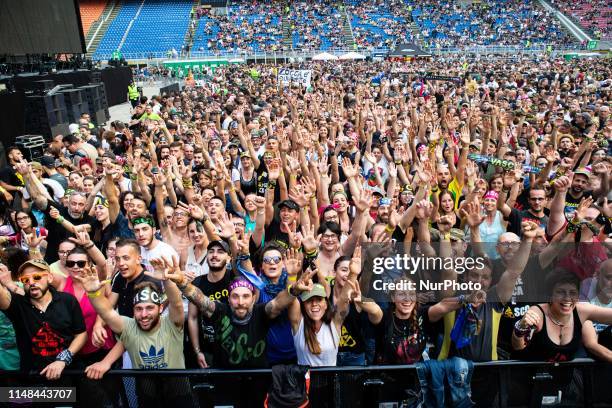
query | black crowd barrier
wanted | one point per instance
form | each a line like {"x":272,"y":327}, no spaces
{"x":170,"y":89}
{"x":578,"y":383}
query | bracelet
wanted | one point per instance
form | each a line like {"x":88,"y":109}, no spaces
{"x":289,"y":290}
{"x":435,"y":189}
{"x":88,"y":247}
{"x":197,"y":350}
{"x":65,"y":356}
{"x":446,"y":236}
{"x":292,"y":278}
{"x":243,"y":257}
{"x":293,"y":176}
{"x":389,"y":229}
{"x":272,"y":184}
{"x":520,"y":331}
{"x":33,"y":251}
{"x":311,"y":253}
{"x":60,"y":219}
{"x":93,"y":295}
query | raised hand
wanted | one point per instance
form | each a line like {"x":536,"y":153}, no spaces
{"x":362,"y":204}
{"x":472,"y":214}
{"x":243,"y":244}
{"x":89,"y":279}
{"x":445,"y":224}
{"x":82,"y":238}
{"x":529,"y":229}
{"x":583,"y":206}
{"x":274,"y":169}
{"x":293,"y":261}
{"x":424,"y":209}
{"x":31,"y":240}
{"x":348,"y":168}
{"x":309,"y":242}
{"x":54,"y":213}
{"x":227,"y":227}
{"x":606,"y":208}
{"x":159,"y":179}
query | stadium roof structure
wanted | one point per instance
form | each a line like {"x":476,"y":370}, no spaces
{"x":408,"y":50}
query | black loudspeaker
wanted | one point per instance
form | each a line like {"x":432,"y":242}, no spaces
{"x":46,"y":114}
{"x":32,"y":146}
{"x":75,"y":104}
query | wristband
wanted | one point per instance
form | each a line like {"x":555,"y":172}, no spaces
{"x":446,"y":236}
{"x":389,"y":229}
{"x":60,"y":219}
{"x":311,"y":253}
{"x":272,"y":184}
{"x":434,"y":189}
{"x":292,"y":278}
{"x":88,"y":247}
{"x":520,"y":331}
{"x":93,"y":295}
{"x":243,"y":257}
{"x":65,"y":356}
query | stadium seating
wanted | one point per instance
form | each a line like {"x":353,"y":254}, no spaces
{"x":160,"y":26}
{"x":248,"y":26}
{"x":91,"y":10}
{"x":593,"y":15}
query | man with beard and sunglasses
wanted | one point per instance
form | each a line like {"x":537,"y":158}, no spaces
{"x":49,"y":325}
{"x":152,"y":340}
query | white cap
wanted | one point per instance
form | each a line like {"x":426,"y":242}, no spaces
{"x":73,"y":128}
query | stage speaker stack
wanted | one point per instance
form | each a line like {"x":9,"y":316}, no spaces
{"x":46,"y":114}
{"x":75,"y":104}
{"x":95,"y":96}
{"x":32,"y":146}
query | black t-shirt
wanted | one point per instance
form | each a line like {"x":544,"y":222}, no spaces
{"x":57,"y":233}
{"x":240,"y":345}
{"x":517,"y":217}
{"x":9,"y":176}
{"x":215,"y":291}
{"x":41,"y":336}
{"x":397,"y":341}
{"x":351,"y":338}
{"x":274,"y":234}
{"x":528,"y":291}
{"x":126,"y":292}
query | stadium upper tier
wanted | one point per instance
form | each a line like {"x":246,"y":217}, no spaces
{"x":256,"y":26}
{"x":592,"y":15}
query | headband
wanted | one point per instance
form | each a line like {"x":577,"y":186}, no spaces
{"x":144,"y":220}
{"x":241,"y":283}
{"x":147,"y":295}
{"x":491,"y":194}
{"x":102,"y":201}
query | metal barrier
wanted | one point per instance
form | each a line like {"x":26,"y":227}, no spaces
{"x":583,"y":382}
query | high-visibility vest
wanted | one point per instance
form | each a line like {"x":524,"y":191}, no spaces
{"x":133,"y":92}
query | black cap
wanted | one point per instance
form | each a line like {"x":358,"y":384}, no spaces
{"x":290,"y":204}
{"x":219,"y":243}
{"x":48,"y":161}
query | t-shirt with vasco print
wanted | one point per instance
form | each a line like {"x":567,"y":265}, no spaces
{"x":216,"y":291}
{"x":41,"y":336}
{"x":240,"y":345}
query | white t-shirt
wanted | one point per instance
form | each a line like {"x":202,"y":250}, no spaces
{"x":58,"y":190}
{"x":161,"y":249}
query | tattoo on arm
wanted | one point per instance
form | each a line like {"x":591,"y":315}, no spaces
{"x":202,"y":302}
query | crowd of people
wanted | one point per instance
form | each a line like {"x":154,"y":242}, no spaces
{"x":515,"y":22}
{"x":595,"y":16}
{"x":237,"y":225}
{"x":379,"y":24}
{"x":316,"y":25}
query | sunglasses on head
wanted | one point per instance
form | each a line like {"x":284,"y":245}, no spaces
{"x":273,"y":260}
{"x":36,"y":277}
{"x":72,"y":264}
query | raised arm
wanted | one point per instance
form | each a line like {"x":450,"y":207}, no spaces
{"x":516,"y":267}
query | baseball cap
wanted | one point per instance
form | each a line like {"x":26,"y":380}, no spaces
{"x":292,"y":205}
{"x":48,"y":161}
{"x":219,"y":243}
{"x":37,"y":263}
{"x":583,"y":171}
{"x":317,"y":290}
{"x":73,"y":128}
{"x":245,"y":154}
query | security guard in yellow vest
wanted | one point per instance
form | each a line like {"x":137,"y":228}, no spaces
{"x":133,"y":94}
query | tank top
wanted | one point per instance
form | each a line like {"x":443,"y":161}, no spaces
{"x":89,"y":315}
{"x":248,"y":186}
{"x":328,"y":341}
{"x":543,"y":348}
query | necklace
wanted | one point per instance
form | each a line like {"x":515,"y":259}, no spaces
{"x":558,"y":323}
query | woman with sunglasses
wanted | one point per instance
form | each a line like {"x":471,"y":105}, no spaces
{"x":275,"y":272}
{"x":76,"y":261}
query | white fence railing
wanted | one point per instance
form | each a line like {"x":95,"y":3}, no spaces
{"x":271,"y":56}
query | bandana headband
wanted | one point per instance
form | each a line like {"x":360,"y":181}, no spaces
{"x":102,"y":201}
{"x":241,"y":283}
{"x":147,"y":295}
{"x":492,"y":194}
{"x":144,"y":220}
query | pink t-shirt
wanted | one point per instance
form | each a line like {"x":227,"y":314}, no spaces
{"x":89,"y":315}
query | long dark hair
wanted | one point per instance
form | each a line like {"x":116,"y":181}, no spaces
{"x":5,"y":213}
{"x":309,"y":332}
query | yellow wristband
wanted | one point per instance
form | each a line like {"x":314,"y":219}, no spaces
{"x":389,"y":229}
{"x":93,"y":295}
{"x":291,"y":278}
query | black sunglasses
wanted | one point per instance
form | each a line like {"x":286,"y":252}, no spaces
{"x":80,"y":264}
